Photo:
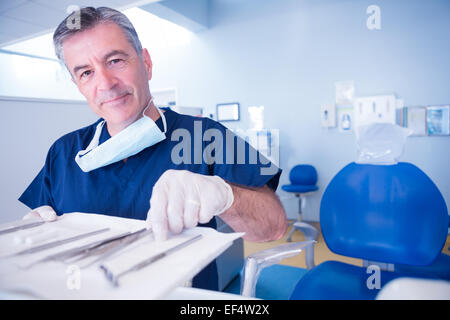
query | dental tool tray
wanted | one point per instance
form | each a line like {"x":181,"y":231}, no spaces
{"x":29,"y":267}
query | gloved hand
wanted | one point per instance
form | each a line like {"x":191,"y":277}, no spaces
{"x":46,"y":213}
{"x":182,"y":199}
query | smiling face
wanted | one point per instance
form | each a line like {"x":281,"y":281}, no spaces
{"x":109,"y":73}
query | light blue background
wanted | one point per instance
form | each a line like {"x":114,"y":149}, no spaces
{"x":288,"y":54}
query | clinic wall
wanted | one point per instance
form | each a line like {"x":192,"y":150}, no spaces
{"x":287,"y":55}
{"x":28,"y":127}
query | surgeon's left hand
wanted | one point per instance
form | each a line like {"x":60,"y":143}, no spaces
{"x":182,"y":199}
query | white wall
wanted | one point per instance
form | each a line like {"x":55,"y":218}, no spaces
{"x":28,"y":127}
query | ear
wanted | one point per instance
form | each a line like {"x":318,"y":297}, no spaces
{"x":147,"y":62}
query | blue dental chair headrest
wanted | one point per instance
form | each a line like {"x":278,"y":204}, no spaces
{"x":393,"y":214}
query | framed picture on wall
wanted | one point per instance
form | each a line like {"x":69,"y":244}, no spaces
{"x":416,"y":120}
{"x":228,"y":111}
{"x":438,"y":120}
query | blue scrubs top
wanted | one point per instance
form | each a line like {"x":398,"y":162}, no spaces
{"x":124,"y":189}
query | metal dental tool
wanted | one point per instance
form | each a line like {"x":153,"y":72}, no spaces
{"x":114,"y":279}
{"x":90,"y":249}
{"x":74,"y":252}
{"x":106,"y":248}
{"x":122,"y":244}
{"x":19,"y":225}
{"x":56,"y":243}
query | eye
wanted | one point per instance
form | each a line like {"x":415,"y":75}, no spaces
{"x":85,"y":74}
{"x":115,"y":61}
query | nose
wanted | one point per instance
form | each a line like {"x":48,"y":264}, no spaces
{"x":105,"y":79}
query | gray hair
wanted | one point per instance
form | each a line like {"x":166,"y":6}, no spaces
{"x":89,"y":17}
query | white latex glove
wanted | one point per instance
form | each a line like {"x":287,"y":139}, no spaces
{"x":46,"y":213}
{"x":182,"y":199}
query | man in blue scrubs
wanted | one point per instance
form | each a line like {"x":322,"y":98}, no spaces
{"x":173,"y":182}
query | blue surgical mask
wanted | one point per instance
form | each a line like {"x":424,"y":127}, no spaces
{"x":139,"y":135}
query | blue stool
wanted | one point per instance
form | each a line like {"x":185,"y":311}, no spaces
{"x":303,"y":178}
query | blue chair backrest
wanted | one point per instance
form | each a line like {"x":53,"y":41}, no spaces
{"x":392,"y":214}
{"x":303,"y":174}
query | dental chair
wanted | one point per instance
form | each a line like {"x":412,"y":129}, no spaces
{"x":386,"y":215}
{"x":440,"y":267}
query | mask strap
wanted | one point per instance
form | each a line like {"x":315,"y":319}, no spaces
{"x":163,"y":118}
{"x":148,"y":105}
{"x":96,"y":139}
